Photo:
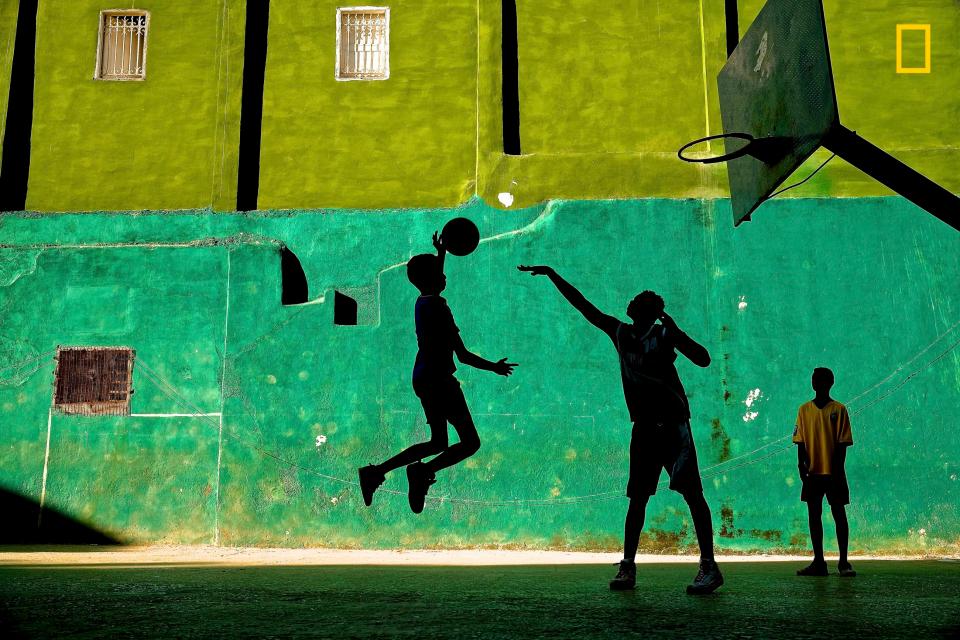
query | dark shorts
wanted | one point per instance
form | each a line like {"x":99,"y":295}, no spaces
{"x":442,"y":401}
{"x":654,"y":447}
{"x":834,"y":487}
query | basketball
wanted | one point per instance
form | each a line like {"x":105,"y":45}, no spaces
{"x":460,"y":236}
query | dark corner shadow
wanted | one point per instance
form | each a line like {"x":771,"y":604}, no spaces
{"x":950,"y":633}
{"x":293,"y":280}
{"x":24,"y":526}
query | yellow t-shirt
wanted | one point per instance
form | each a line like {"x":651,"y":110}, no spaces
{"x":820,"y":430}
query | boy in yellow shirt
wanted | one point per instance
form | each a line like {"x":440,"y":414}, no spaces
{"x":822,"y":435}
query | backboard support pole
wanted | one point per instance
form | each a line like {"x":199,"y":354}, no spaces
{"x":881,"y":166}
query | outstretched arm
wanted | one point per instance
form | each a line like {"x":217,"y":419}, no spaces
{"x":467,"y":357}
{"x":693,"y":350}
{"x":593,"y":315}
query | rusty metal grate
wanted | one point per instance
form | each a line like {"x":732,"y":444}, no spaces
{"x":93,"y":380}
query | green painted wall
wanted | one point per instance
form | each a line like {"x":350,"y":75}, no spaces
{"x":8,"y":33}
{"x":168,"y":142}
{"x":865,"y":286}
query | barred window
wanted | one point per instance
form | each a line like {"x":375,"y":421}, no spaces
{"x":93,"y":380}
{"x":363,"y":43}
{"x":122,"y":46}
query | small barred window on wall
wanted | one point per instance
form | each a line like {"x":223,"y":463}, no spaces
{"x":363,"y":43}
{"x":93,"y":380}
{"x":122,"y":45}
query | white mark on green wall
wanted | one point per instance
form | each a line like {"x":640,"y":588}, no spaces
{"x":753,"y":396}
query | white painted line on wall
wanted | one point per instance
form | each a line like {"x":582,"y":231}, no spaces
{"x":175,"y":415}
{"x":46,"y":464}
{"x":476,"y":165}
{"x":223,"y":372}
{"x":216,"y":508}
{"x":703,"y":60}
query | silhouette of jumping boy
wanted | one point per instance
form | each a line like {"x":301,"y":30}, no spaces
{"x":438,"y":339}
{"x":822,"y":435}
{"x":660,"y":414}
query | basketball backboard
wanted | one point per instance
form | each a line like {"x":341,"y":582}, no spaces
{"x":777,"y":86}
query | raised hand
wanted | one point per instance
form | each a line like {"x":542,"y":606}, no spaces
{"x":438,"y":242}
{"x":669,"y":322}
{"x":536,"y":270}
{"x":502,"y":367}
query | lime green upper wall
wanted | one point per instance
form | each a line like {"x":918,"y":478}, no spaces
{"x":600,"y":78}
{"x":8,"y":32}
{"x":409,"y":140}
{"x":167,"y":142}
{"x":608,"y":94}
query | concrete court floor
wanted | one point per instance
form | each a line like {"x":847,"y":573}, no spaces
{"x":160,"y":596}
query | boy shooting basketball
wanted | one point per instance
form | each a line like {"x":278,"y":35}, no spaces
{"x":660,"y":414}
{"x":438,"y":339}
{"x":822,"y":435}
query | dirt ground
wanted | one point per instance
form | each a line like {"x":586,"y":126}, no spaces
{"x":270,"y":593}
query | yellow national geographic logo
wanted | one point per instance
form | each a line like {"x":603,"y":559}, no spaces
{"x":925,"y":28}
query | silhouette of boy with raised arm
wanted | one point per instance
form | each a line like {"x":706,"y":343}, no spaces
{"x":660,"y":414}
{"x":438,"y":339}
{"x":822,"y":435}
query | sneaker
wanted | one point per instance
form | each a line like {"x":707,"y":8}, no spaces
{"x":815,"y":568}
{"x":370,"y":481}
{"x":626,"y":577}
{"x":845,"y":569}
{"x":708,"y":579}
{"x":419,"y":478}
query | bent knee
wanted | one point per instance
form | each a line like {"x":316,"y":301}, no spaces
{"x":437,"y":444}
{"x":471,"y":445}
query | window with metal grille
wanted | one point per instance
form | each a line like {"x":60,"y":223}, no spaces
{"x":122,"y":46}
{"x":93,"y":380}
{"x":363,"y":43}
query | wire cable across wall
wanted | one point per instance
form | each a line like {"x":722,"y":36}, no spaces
{"x":719,"y":469}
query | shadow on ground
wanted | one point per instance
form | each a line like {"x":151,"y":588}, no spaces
{"x":761,"y":600}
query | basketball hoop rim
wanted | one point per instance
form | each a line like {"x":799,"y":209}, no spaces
{"x":724,"y":158}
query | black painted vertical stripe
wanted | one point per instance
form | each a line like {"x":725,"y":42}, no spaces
{"x":15,"y":165}
{"x":251,"y":106}
{"x":510,"y":79}
{"x":733,"y":26}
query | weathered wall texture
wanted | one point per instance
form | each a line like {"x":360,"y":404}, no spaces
{"x":607,"y":96}
{"x":865,"y":286}
{"x":167,"y":142}
{"x":8,"y":32}
{"x":409,"y":140}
